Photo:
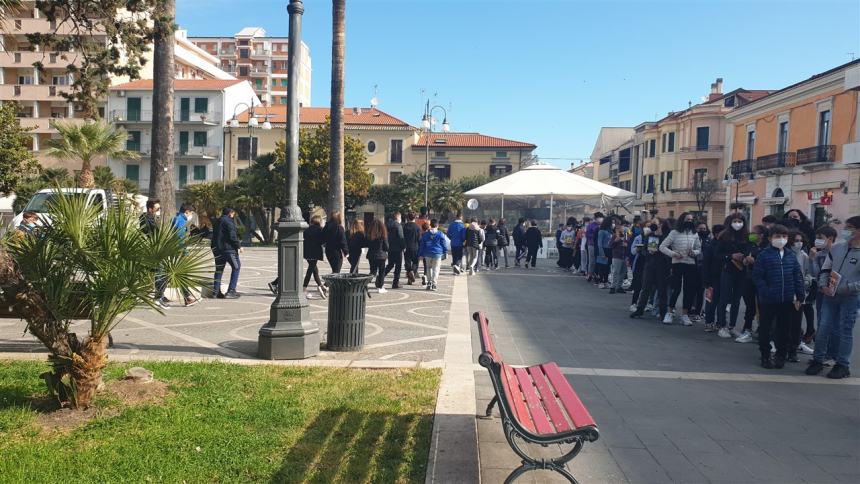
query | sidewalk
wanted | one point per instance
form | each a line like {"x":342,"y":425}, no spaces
{"x":673,"y":404}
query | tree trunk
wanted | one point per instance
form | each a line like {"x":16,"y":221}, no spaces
{"x":164,"y":71}
{"x":338,"y":48}
{"x":85,"y":177}
{"x":87,"y":366}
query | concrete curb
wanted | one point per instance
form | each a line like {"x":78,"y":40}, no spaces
{"x":454,"y":448}
{"x":310,"y":362}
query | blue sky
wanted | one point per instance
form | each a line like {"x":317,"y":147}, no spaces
{"x":552,"y":72}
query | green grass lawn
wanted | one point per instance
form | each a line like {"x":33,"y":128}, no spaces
{"x":229,"y":423}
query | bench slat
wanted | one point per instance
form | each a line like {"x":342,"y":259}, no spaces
{"x":575,"y":409}
{"x":515,"y":397}
{"x":538,"y":415}
{"x":556,"y":414}
{"x":486,"y":339}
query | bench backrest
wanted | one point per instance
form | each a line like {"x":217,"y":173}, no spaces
{"x":487,"y":344}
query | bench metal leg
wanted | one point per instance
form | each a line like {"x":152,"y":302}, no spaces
{"x":529,"y":463}
{"x":494,"y":401}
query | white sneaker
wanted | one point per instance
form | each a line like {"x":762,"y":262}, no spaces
{"x":685,"y":320}
{"x":805,"y":349}
{"x":456,"y":269}
{"x":744,"y":337}
{"x":649,"y":307}
{"x":724,"y":333}
{"x":667,"y":319}
{"x":772,"y":347}
{"x":382,"y":290}
{"x":632,"y":308}
{"x":423,"y":280}
{"x":323,"y":292}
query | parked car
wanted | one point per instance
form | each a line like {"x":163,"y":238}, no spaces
{"x":40,"y":202}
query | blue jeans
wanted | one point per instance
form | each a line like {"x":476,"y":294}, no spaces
{"x":222,"y":258}
{"x":837,"y":318}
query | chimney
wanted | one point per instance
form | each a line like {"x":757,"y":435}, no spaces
{"x":716,"y":89}
{"x":719,"y":84}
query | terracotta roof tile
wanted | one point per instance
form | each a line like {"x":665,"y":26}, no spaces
{"x":181,"y":84}
{"x":468,"y":140}
{"x":277,"y":114}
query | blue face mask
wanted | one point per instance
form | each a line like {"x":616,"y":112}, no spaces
{"x":637,"y":231}
{"x":846,"y":234}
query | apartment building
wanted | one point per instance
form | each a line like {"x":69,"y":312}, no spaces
{"x":661,"y":161}
{"x":457,"y":155}
{"x":202,"y":108}
{"x":261,"y":60}
{"x":799,"y":148}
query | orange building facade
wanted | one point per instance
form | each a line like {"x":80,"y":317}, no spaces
{"x":799,"y":148}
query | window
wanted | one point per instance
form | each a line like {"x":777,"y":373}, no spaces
{"x":284,"y":100}
{"x":605,"y":160}
{"x":283,"y":83}
{"x":60,"y":80}
{"x":182,"y":175}
{"x":132,"y":172}
{"x":243,"y":42}
{"x":201,"y":105}
{"x":782,"y":144}
{"x":501,"y":154}
{"x":258,"y":83}
{"x":199,"y":172}
{"x":438,"y":154}
{"x":671,"y":148}
{"x":244,"y":53}
{"x":668,"y":180}
{"x":662,"y":181}
{"x":200,"y":138}
{"x":442,"y":172}
{"x":650,"y":185}
{"x":274,"y":83}
{"x":397,"y":151}
{"x":729,"y":102}
{"x":750,"y":144}
{"x":499,"y":170}
{"x":703,"y":135}
{"x":699,"y":175}
{"x":824,"y":128}
{"x":26,"y":80}
{"x":133,"y":141}
{"x":247,"y":148}
{"x":624,"y":160}
{"x":393,"y":176}
{"x":652,"y":150}
{"x":243,"y":71}
{"x":663,"y":144}
{"x":371,"y":147}
{"x":132,"y":106}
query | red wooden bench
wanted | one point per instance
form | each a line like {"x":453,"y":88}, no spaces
{"x":536,"y":404}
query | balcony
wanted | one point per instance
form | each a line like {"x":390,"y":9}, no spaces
{"x":43,"y":124}
{"x":198,"y":153}
{"x":228,"y":52}
{"x":49,"y":60}
{"x":259,"y":71}
{"x":31,"y":92}
{"x":122,"y":116}
{"x":816,"y":154}
{"x":698,"y":148}
{"x":37,"y":26}
{"x":741,"y":167}
{"x":264,"y":53}
{"x":701,"y":152}
{"x":209,"y":118}
{"x":776,"y":161}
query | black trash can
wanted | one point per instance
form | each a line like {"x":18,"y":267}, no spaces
{"x":347,"y":298}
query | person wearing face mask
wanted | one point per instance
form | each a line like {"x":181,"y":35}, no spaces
{"x":795,"y":219}
{"x":712,"y":268}
{"x":225,"y":249}
{"x":582,"y":243}
{"x":779,"y":284}
{"x":473,"y":242}
{"x":182,"y":224}
{"x":798,"y":244}
{"x":699,"y":303}
{"x":27,"y":226}
{"x":639,"y":253}
{"x":433,"y":248}
{"x":655,"y":275}
{"x":683,"y":246}
{"x":732,"y":252}
{"x":825,"y":237}
{"x":604,"y":252}
{"x":591,"y":232}
{"x":759,"y":239}
{"x":839,"y":286}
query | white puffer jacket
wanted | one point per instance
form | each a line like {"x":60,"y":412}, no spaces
{"x":687,"y":244}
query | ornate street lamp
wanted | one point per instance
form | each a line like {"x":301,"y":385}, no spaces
{"x":427,"y":125}
{"x":290,"y":333}
{"x":252,"y":123}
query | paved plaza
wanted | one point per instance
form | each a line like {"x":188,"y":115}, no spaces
{"x":406,"y":327}
{"x":673,"y":404}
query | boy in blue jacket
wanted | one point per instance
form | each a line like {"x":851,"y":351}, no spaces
{"x":779,"y":285}
{"x":457,"y":235}
{"x":433,"y":247}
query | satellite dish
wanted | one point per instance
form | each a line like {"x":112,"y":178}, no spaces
{"x":472,"y":204}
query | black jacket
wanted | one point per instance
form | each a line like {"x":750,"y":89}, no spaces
{"x":396,"y":240}
{"x":313,"y":243}
{"x":377,"y":249}
{"x":148,"y":224}
{"x":533,"y":238}
{"x":334,"y":239}
{"x":356,"y":242}
{"x":224,"y":234}
{"x":492,"y":236}
{"x":519,"y":235}
{"x":725,"y":249}
{"x":473,"y":237}
{"x":411,"y":236}
{"x":504,"y":237}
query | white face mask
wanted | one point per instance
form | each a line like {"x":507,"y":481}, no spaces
{"x":737,"y":225}
{"x":158,"y":213}
{"x":646,"y":231}
{"x":846,"y":234}
{"x":798,"y":245}
{"x":779,"y":243}
{"x":820,"y":243}
{"x":599,"y":220}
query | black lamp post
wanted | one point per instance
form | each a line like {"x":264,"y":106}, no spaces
{"x":290,"y":333}
{"x":427,"y":124}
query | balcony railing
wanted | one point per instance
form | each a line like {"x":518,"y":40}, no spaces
{"x":687,"y":149}
{"x":130,"y":116}
{"x":198,"y":152}
{"x":742,"y":167}
{"x":816,"y":154}
{"x":786,"y":159}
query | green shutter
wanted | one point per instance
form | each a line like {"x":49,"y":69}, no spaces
{"x":199,"y":172}
{"x":201,"y":105}
{"x":200,"y":138}
{"x":132,"y":172}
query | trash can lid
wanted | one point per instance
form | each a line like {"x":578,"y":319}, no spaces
{"x":348,"y":278}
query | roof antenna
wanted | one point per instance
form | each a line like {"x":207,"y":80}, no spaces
{"x":851,"y":54}
{"x":374,"y":101}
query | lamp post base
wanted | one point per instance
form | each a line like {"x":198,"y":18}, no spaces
{"x":290,"y":334}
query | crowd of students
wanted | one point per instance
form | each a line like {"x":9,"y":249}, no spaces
{"x":801,"y":284}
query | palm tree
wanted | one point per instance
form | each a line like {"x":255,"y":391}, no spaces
{"x":338,"y":49}
{"x":86,"y":143}
{"x":8,"y":6}
{"x":446,"y":197}
{"x":163,"y":74}
{"x":89,"y":264}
